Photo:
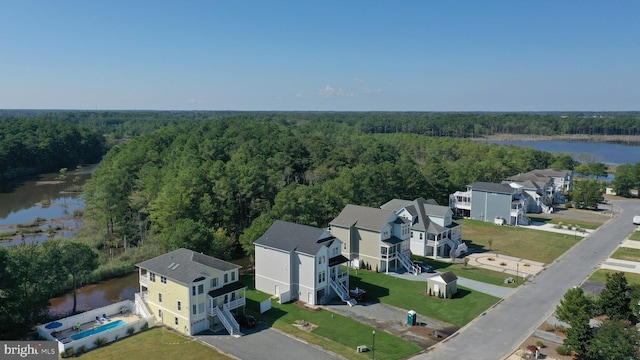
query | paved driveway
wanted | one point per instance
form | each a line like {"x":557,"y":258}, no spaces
{"x":263,"y":342}
{"x":501,"y":329}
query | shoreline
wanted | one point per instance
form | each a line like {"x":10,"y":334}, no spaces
{"x":613,"y":139}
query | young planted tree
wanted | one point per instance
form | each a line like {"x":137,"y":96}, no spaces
{"x":573,"y":305}
{"x":614,"y":299}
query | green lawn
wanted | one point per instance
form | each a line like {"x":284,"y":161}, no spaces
{"x":156,"y":343}
{"x":536,"y":245}
{"x":334,"y":332}
{"x":580,"y":224}
{"x":601,"y":276}
{"x":635,"y":236}
{"x":407,"y":294}
{"x":624,"y":253}
{"x":470,"y":272}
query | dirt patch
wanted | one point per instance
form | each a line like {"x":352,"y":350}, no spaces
{"x":303,"y":305}
{"x":305,"y":325}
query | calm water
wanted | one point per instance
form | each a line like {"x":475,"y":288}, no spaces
{"x":20,"y":204}
{"x":614,"y":154}
{"x":97,"y":295}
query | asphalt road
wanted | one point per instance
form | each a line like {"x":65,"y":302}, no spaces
{"x":501,"y":329}
{"x":263,"y":342}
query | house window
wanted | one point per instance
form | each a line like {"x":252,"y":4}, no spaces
{"x":193,"y":290}
{"x":322,"y":277}
{"x":200,"y":288}
{"x":233,"y":276}
{"x":214,"y":282}
{"x":320,"y":259}
{"x":194,"y":309}
{"x":152,"y":277}
{"x":175,"y":319}
{"x":412,"y":234}
{"x":200,"y":307}
{"x":226,"y":278}
{"x":420,"y":236}
{"x":344,"y":246}
{"x":159,"y":297}
{"x":179,"y":306}
{"x":163,"y":279}
{"x":160,"y":313}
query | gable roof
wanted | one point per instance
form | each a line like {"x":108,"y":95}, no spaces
{"x":422,"y":209}
{"x":492,"y":187}
{"x":447,"y":277}
{"x":184,"y":265}
{"x":363,"y":217}
{"x":288,"y":236}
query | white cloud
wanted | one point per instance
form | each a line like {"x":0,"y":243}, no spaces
{"x":329,"y":91}
{"x":298,"y":95}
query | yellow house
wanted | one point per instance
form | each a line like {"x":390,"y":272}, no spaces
{"x":192,"y":292}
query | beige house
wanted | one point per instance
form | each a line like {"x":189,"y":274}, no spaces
{"x":373,"y":237}
{"x":192,"y":292}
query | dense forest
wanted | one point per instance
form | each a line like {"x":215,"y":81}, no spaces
{"x":207,"y":186}
{"x":29,"y":146}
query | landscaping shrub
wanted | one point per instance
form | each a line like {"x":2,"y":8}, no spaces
{"x":144,"y":327}
{"x":81,"y":350}
{"x":130,"y":331}
{"x":100,"y":341}
{"x":68,"y":353}
{"x":539,"y":344}
{"x":563,"y":350}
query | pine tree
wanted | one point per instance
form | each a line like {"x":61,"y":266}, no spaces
{"x":614,"y":299}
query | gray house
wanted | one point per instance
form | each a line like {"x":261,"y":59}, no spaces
{"x":491,"y":202}
{"x":299,"y":262}
{"x":550,"y":183}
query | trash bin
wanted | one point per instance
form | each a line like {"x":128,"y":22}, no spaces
{"x":411,"y":318}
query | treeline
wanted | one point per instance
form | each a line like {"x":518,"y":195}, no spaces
{"x":33,"y":146}
{"x":207,"y":185}
{"x":123,"y":124}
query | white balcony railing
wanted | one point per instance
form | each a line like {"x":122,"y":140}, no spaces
{"x":144,"y":280}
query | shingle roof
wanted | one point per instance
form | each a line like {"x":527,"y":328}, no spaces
{"x":447,"y":277}
{"x":421,"y":209}
{"x":290,"y":236}
{"x":363,"y":217}
{"x":184,"y":265}
{"x":492,"y":187}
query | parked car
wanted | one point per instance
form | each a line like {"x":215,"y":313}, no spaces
{"x":636,"y":220}
{"x":423,"y":267}
{"x":246,"y":320}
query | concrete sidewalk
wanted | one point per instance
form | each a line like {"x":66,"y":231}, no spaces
{"x":553,"y":228}
{"x":621,"y":265}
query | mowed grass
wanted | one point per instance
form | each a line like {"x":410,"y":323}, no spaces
{"x":592,"y":225}
{"x":536,"y":245}
{"x":469,"y":272}
{"x":406,"y":294}
{"x":334,"y":332}
{"x":635,"y":236}
{"x":156,"y":343}
{"x":624,"y":253}
{"x":601,"y":276}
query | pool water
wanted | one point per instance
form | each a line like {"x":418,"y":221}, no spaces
{"x":99,"y":329}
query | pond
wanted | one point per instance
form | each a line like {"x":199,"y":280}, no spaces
{"x":614,"y":154}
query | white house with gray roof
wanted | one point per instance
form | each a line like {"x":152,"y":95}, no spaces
{"x":433,"y":231}
{"x":300,"y":262}
{"x":552,"y":183}
{"x":373,"y":237}
{"x":491,"y":202}
{"x":192,"y":292}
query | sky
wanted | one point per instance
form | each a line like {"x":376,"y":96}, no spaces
{"x":347,"y":55}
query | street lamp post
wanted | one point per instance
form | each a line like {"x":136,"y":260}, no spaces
{"x":373,"y":346}
{"x":517,"y":272}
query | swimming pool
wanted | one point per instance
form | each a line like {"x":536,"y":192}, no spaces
{"x":99,"y":329}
